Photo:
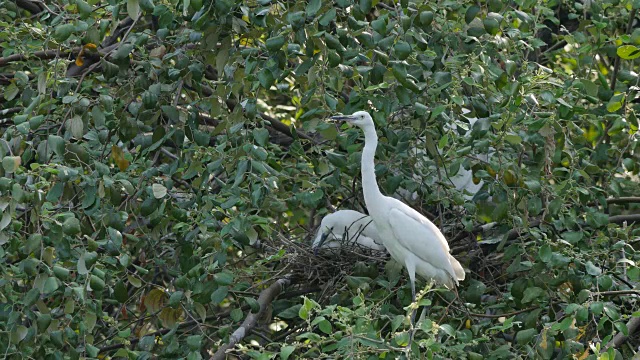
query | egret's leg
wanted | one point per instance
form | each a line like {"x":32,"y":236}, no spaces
{"x":412,"y":278}
{"x":411,"y":268}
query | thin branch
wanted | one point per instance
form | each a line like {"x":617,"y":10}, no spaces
{"x":616,"y":64}
{"x":10,"y":111}
{"x":496,"y":316}
{"x":265,"y":299}
{"x":620,"y":338}
{"x":617,"y":293}
{"x":279,"y":126}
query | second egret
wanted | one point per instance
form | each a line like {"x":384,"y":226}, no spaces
{"x":346,"y":227}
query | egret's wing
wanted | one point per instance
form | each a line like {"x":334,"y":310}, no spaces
{"x":422,"y":241}
{"x":457,"y":268}
{"x":430,"y":228}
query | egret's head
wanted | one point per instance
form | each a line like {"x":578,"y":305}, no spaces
{"x":358,"y":118}
{"x":325,"y":229}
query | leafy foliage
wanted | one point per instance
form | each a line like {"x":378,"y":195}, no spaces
{"x":162,"y":163}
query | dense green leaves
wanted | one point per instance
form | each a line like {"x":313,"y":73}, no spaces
{"x":161,"y":164}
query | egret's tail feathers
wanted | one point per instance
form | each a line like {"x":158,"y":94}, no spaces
{"x":457,"y":268}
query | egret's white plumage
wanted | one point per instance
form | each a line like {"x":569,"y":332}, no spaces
{"x":411,"y":239}
{"x":348,"y":227}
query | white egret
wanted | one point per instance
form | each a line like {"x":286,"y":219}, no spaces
{"x":411,"y":239}
{"x":347,"y":227}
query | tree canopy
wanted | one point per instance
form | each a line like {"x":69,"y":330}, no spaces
{"x":165,"y":164}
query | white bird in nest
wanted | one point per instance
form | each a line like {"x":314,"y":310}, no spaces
{"x":411,"y":239}
{"x":347,"y":227}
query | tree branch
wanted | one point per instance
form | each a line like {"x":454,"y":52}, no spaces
{"x":9,"y":111}
{"x":616,"y":64}
{"x":265,"y":299}
{"x":618,"y":219}
{"x":43,"y":55}
{"x":617,"y":293}
{"x":275,"y":123}
{"x":624,"y":200}
{"x":34,"y":7}
{"x":621,"y":338}
{"x":496,"y":316}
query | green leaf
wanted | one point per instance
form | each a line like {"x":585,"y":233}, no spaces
{"x":224,"y":278}
{"x":133,"y":9}
{"x":92,"y":351}
{"x":236,"y":314}
{"x":513,"y":139}
{"x":275,"y":43}
{"x":261,"y":136}
{"x":331,"y":101}
{"x":290,"y":313}
{"x":265,"y":76}
{"x":628,"y":52}
{"x":286,"y":351}
{"x":84,"y":9}
{"x":545,"y":253}
{"x":253,"y":304}
{"x":96,"y":283}
{"x":303,"y":313}
{"x":615,"y":103}
{"x":6,"y":220}
{"x":120,"y":292}
{"x":573,"y":236}
{"x":312,"y":7}
{"x":592,"y":269}
{"x":175,"y":298}
{"x":63,"y":31}
{"x":50,"y":285}
{"x":524,"y":336}
{"x":326,"y":19}
{"x":531,"y":294}
{"x":71,"y":226}
{"x":325,"y":327}
{"x":194,"y":342}
{"x":61,"y":272}
{"x":76,"y":126}
{"x":471,"y":13}
{"x":18,"y":334}
{"x":159,"y":191}
{"x":219,"y":294}
{"x":448,"y":329}
{"x":57,"y":144}
{"x":365,"y":6}
{"x":11,"y":163}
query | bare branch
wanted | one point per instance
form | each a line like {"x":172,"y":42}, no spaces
{"x":618,"y":219}
{"x":43,"y":55}
{"x":620,"y":338}
{"x":265,"y":299}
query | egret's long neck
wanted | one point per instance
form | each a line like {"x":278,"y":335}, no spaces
{"x":370,"y":188}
